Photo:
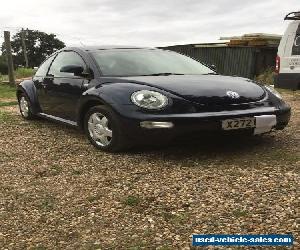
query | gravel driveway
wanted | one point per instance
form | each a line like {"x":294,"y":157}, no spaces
{"x":58,"y":192}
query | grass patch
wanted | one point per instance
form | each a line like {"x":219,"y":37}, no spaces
{"x":6,"y":116}
{"x":132,"y":200}
{"x":24,"y":72}
{"x":176,"y":219}
{"x":3,"y":78}
{"x":93,"y":198}
{"x":47,"y":203}
{"x":7,"y":91}
{"x":240,"y":213}
{"x":5,"y":104}
{"x":52,"y":171}
{"x":56,"y":170}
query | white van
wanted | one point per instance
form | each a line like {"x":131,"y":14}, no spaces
{"x":288,"y":56}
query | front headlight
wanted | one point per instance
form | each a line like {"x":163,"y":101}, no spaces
{"x":273,"y":91}
{"x":149,"y":99}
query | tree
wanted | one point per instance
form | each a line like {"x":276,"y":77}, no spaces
{"x":3,"y":65}
{"x":39,"y":46}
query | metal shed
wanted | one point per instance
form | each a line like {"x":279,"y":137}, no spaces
{"x":242,"y":61}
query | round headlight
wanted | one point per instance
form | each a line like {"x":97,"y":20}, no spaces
{"x":149,"y":99}
{"x":273,"y":91}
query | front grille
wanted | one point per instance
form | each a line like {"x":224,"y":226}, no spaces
{"x":229,"y":107}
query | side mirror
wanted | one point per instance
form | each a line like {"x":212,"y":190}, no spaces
{"x":75,"y":69}
{"x":213,"y":67}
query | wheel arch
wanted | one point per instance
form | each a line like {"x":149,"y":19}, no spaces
{"x":28,"y":88}
{"x":85,"y":106}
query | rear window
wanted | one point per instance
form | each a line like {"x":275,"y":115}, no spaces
{"x":296,"y":45}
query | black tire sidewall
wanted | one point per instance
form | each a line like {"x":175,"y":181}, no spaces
{"x":117,"y":142}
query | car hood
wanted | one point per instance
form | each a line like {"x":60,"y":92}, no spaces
{"x":204,"y":89}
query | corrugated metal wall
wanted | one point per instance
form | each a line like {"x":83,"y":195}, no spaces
{"x":240,"y":61}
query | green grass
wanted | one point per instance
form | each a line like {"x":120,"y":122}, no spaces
{"x":19,"y":73}
{"x":48,"y":203}
{"x":24,"y":72}
{"x":176,"y":219}
{"x":132,"y":200}
{"x":6,"y":117}
{"x":12,"y":103}
{"x":7,"y":91}
{"x":93,"y":198}
{"x":239,"y":213}
{"x":3,"y":78}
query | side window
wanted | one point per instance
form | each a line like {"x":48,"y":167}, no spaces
{"x":296,"y":44}
{"x":43,"y":69}
{"x":63,"y":59}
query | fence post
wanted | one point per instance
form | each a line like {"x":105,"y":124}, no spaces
{"x":10,"y":65}
{"x":24,"y":48}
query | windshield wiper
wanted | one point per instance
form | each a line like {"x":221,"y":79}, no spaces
{"x":162,"y":74}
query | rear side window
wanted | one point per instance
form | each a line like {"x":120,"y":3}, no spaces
{"x":296,"y":44}
{"x":43,"y":69}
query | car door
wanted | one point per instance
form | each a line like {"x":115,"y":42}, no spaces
{"x":63,"y":90}
{"x":39,"y":80}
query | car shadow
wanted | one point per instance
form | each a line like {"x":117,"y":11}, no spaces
{"x":202,"y":146}
{"x":209,"y":145}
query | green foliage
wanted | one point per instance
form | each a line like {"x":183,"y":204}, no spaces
{"x":132,"y":200}
{"x":24,"y":72}
{"x":266,"y":77}
{"x":39,"y":45}
{"x":6,"y":91}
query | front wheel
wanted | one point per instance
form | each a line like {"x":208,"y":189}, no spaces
{"x":25,"y":107}
{"x":102,"y":128}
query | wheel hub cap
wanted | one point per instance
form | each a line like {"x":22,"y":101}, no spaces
{"x":24,"y":107}
{"x":99,"y":129}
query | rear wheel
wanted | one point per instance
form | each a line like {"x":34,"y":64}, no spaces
{"x":102,"y":128}
{"x":25,"y":107}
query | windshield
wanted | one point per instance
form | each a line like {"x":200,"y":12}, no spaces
{"x":140,"y":62}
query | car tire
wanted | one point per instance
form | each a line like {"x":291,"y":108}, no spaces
{"x":25,"y":107}
{"x":102,"y":127}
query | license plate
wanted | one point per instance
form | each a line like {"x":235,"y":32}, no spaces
{"x":239,"y":123}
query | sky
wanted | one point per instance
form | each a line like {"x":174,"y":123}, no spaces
{"x":145,"y":22}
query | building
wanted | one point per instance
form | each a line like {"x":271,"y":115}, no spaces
{"x":247,"y":56}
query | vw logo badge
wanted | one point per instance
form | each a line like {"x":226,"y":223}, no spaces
{"x":232,"y":94}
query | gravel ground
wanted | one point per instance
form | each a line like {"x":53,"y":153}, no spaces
{"x":58,"y":192}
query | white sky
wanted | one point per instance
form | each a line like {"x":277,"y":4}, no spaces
{"x":145,"y":22}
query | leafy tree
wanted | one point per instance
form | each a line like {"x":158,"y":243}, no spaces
{"x":39,"y":45}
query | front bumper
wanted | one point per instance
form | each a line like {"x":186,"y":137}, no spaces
{"x":194,"y":122}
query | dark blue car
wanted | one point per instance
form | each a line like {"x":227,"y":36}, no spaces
{"x":122,"y":96}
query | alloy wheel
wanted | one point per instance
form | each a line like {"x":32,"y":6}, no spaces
{"x":24,"y":106}
{"x":99,"y":129}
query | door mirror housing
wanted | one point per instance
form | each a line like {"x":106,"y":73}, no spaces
{"x":75,"y":69}
{"x":213,"y":67}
